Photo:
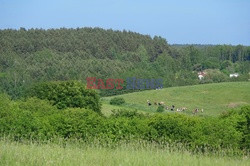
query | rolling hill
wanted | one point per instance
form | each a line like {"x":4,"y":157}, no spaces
{"x":213,"y":98}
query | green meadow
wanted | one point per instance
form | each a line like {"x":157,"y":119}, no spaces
{"x":212,"y":98}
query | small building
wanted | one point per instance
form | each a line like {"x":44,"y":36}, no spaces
{"x":234,"y":75}
{"x":201,"y":75}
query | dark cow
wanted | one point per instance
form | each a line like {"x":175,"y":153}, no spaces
{"x":149,"y":104}
{"x":172,"y":108}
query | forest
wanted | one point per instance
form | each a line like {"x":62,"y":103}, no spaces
{"x":31,"y":56}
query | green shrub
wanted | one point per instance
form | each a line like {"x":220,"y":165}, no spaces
{"x":27,"y":119}
{"x":67,"y":94}
{"x":160,"y":109}
{"x":117,"y":101}
{"x":77,"y":123}
{"x":242,"y":119}
{"x":216,"y":133}
{"x":37,"y":119}
{"x":127,"y":114}
{"x":171,"y":127}
{"x":214,"y":75}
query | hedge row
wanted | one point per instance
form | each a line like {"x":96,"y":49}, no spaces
{"x":37,"y":119}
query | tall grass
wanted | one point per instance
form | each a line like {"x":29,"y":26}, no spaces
{"x":77,"y":153}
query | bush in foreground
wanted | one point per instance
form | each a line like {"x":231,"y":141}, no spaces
{"x":37,"y":119}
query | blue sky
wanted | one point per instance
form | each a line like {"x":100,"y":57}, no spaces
{"x":179,"y":21}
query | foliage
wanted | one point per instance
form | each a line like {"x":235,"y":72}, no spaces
{"x":117,"y":101}
{"x":66,"y":94}
{"x":127,"y":114}
{"x":37,"y":55}
{"x":242,"y":118}
{"x":160,"y":109}
{"x":214,"y":75}
{"x":37,"y":119}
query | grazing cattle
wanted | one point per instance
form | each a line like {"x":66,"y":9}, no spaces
{"x":172,"y":108}
{"x":183,"y":108}
{"x":161,"y":103}
{"x":149,"y":104}
{"x":202,"y":110}
{"x":155,"y":103}
{"x":166,"y":107}
{"x":196,"y":111}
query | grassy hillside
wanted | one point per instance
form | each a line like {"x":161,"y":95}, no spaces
{"x":213,"y":98}
{"x":51,"y":154}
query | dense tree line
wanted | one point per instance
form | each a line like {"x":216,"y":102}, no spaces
{"x":38,"y":55}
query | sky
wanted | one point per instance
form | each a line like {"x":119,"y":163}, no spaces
{"x":179,"y":21}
